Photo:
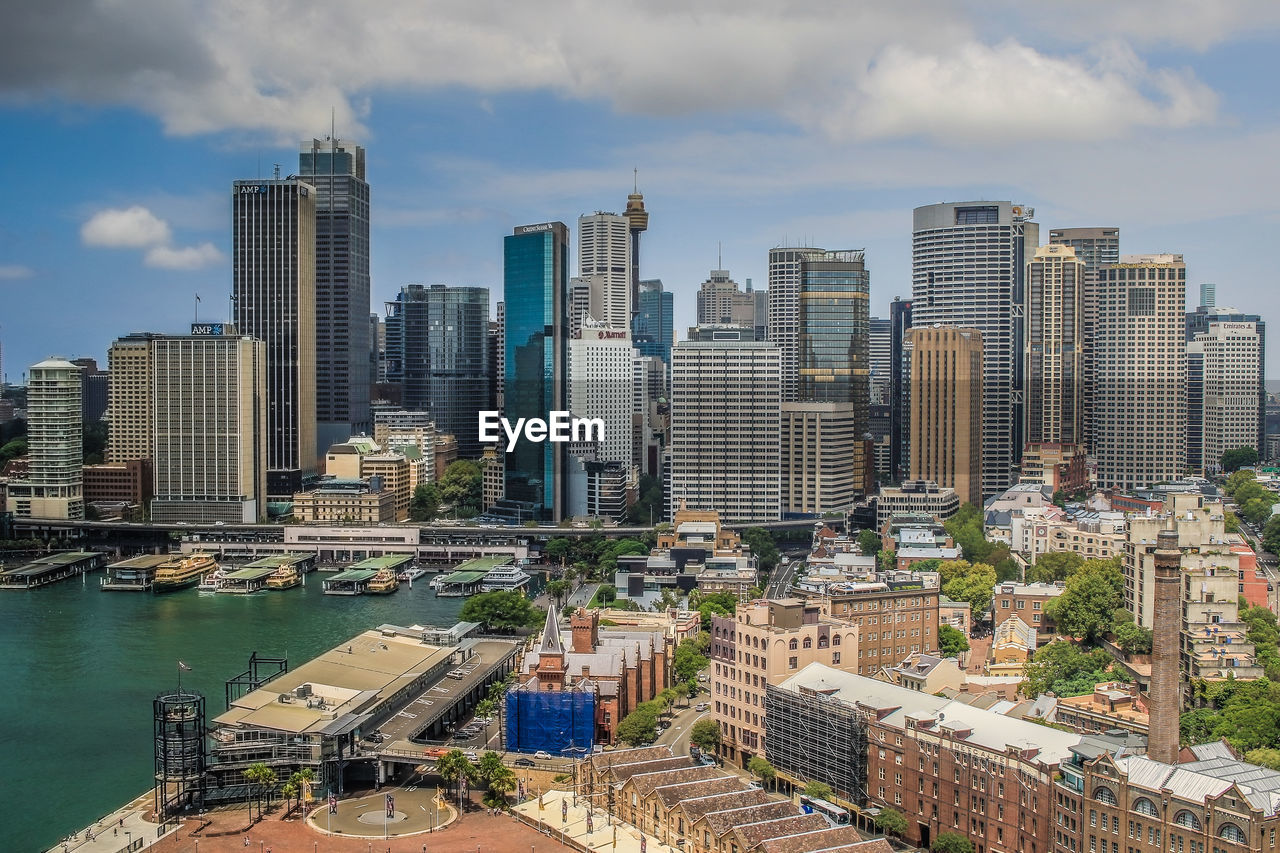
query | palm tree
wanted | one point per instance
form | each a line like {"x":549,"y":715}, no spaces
{"x":289,"y":791}
{"x":260,"y":777}
{"x":452,"y":766}
{"x":489,"y":767}
{"x":501,"y":783}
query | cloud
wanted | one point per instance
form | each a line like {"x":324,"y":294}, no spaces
{"x":136,"y":227}
{"x":852,"y":70}
{"x":186,"y":258}
{"x":12,"y":272}
{"x":133,"y":227}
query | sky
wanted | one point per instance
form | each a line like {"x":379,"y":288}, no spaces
{"x":748,"y":124}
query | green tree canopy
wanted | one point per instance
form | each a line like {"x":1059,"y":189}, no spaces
{"x":892,"y":822}
{"x":1241,"y":457}
{"x":425,"y":504}
{"x":971,"y":582}
{"x":640,"y":726}
{"x":951,"y":842}
{"x":951,"y":642}
{"x":1265,"y":756}
{"x":688,"y":661}
{"x":462,"y":484}
{"x":705,"y":734}
{"x":1054,"y":566}
{"x":820,"y":790}
{"x":501,"y":611}
{"x":1066,"y":669}
{"x":1271,"y":535}
{"x":762,"y":547}
{"x":760,"y":767}
{"x":557,"y":589}
{"x":869,"y":542}
{"x":1132,"y":638}
{"x":1085,"y":609}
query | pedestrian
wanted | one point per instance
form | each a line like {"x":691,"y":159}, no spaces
{"x":246,"y":841}
{"x":115,"y":831}
{"x":122,"y":822}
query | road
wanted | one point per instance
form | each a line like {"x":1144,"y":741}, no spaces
{"x":677,"y":737}
{"x":780,"y":583}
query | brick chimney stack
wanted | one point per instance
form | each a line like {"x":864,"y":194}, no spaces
{"x":1166,"y":683}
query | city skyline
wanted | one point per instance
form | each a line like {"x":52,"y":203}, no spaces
{"x":759,"y":154}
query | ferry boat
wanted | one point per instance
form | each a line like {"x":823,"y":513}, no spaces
{"x":212,"y":582}
{"x":383,"y":583}
{"x":410,"y":575}
{"x":183,"y":572}
{"x":285,"y":577}
{"x":504,"y":578}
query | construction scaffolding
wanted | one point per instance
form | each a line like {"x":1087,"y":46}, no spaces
{"x":814,"y":738}
{"x":558,"y":722}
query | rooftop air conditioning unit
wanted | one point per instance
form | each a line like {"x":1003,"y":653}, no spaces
{"x":302,"y":691}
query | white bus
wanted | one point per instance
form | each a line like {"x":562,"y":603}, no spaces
{"x":834,"y":814}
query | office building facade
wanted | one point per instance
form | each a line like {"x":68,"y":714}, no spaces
{"x":968,"y":268}
{"x":654,"y":329}
{"x":1140,"y":411}
{"x":274,"y":291}
{"x":899,"y":388}
{"x":604,"y":253}
{"x":335,"y":169}
{"x":820,"y":445}
{"x":947,"y":427}
{"x":721,"y":301}
{"x":54,"y":485}
{"x":129,"y":398}
{"x":602,"y":385}
{"x":1198,"y":323}
{"x":1052,"y":337}
{"x":1231,"y":411}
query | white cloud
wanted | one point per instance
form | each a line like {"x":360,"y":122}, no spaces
{"x":133,"y":227}
{"x":12,"y":272}
{"x":185,"y":258}
{"x":136,"y":227}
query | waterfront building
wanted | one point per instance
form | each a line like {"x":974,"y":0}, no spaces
{"x":968,"y":269}
{"x":274,"y":293}
{"x":726,"y":429}
{"x":654,"y":331}
{"x":720,"y":301}
{"x":347,"y":502}
{"x":440,"y":336}
{"x":604,"y":256}
{"x":53,"y":485}
{"x":335,"y":168}
{"x":1095,"y":247}
{"x":763,"y":643}
{"x":899,"y":389}
{"x":129,"y":398}
{"x":1140,"y":411}
{"x":210,"y":452}
{"x":536,"y":292}
{"x":947,"y":409}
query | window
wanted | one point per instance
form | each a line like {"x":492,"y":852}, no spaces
{"x":1104,"y":795}
{"x":1144,"y":806}
{"x":1187,"y":819}
{"x":808,"y":642}
{"x":793,"y":645}
{"x":1231,"y":832}
{"x":792,"y":663}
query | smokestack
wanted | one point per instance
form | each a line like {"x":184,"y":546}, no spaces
{"x":1166,"y":685}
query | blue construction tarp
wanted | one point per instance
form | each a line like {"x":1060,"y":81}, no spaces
{"x":560,"y":722}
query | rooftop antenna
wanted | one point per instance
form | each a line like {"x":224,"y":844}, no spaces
{"x":275,"y":171}
{"x":719,"y":255}
{"x":333,"y":125}
{"x":635,"y":177}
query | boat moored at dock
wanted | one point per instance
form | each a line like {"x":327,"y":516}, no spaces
{"x":183,"y":572}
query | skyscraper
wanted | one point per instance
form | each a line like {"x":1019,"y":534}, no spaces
{"x":725,"y":429}
{"x":442,"y":334}
{"x":878,"y":359}
{"x":536,"y":297}
{"x":129,"y":398}
{"x":1096,"y":247}
{"x":1230,"y":407}
{"x":654,"y":328}
{"x":968,"y":265}
{"x":946,"y":408}
{"x":273,"y":287}
{"x":335,"y":168}
{"x":604,"y":252}
{"x":899,"y":388}
{"x":1198,"y":322}
{"x":54,"y":485}
{"x":784,"y":314}
{"x":1208,"y":294}
{"x":602,"y":385}
{"x":720,"y":301}
{"x":1140,"y":412}
{"x":1051,"y":339}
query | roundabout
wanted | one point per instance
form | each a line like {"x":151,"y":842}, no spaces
{"x":389,"y":813}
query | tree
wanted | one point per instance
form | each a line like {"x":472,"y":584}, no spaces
{"x":818,"y":790}
{"x":557,"y":549}
{"x":869,"y":542}
{"x":688,"y":661}
{"x":607,"y":595}
{"x":971,"y":582}
{"x":890,"y":821}
{"x":501,"y":783}
{"x":454,"y":765}
{"x":1196,"y":727}
{"x":951,"y":842}
{"x":760,"y":767}
{"x":1066,"y":669}
{"x":1087,"y":605}
{"x":557,"y":589}
{"x":1231,"y":521}
{"x":13,"y":449}
{"x":290,"y":790}
{"x":1133,"y":639}
{"x":1271,"y":535}
{"x":259,"y":777}
{"x":638,"y":727}
{"x":763,"y":547}
{"x":951,"y":641}
{"x":425,"y":503}
{"x":650,"y":505}
{"x":489,"y":766}
{"x":462,"y":484}
{"x":1262,"y":631}
{"x":1241,"y":457}
{"x":1054,"y":567}
{"x":705,"y":735}
{"x":501,"y":611}
{"x":888,"y":560}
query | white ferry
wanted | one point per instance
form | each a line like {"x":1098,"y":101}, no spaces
{"x":504,"y":578}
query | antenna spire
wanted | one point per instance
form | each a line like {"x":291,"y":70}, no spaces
{"x":635,"y":177}
{"x":719,"y":255}
{"x":333,"y":125}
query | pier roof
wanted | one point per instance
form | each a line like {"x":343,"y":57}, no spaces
{"x":275,"y":561}
{"x":387,"y":561}
{"x":354,"y":575}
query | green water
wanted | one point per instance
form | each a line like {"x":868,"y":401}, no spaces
{"x":79,"y":668}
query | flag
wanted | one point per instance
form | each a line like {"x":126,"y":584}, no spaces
{"x":182,"y":666}
{"x":197,"y":297}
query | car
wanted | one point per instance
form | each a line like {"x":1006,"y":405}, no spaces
{"x":470,"y":755}
{"x":702,"y":706}
{"x":702,"y":676}
{"x":542,"y":755}
{"x":524,"y":762}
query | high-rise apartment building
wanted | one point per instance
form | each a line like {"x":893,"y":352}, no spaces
{"x":947,"y":429}
{"x":210,"y":410}
{"x":899,"y":388}
{"x":968,"y":267}
{"x":602,"y":385}
{"x":1231,"y":413}
{"x":335,"y":169}
{"x":604,"y":252}
{"x":274,"y":289}
{"x":720,"y":301}
{"x":1051,"y":342}
{"x":441,"y":337}
{"x":54,"y":485}
{"x":725,"y":429}
{"x":536,"y":299}
{"x":654,"y":328}
{"x":129,"y":398}
{"x":1140,"y":411}
{"x":1096,"y":247}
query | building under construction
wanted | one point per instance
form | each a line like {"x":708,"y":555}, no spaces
{"x":813,"y":736}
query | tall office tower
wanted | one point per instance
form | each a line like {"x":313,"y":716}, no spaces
{"x":650,"y":413}
{"x":443,"y":333}
{"x":602,"y":385}
{"x":129,"y":398}
{"x":720,"y":301}
{"x":725,"y":429}
{"x":654,"y":328}
{"x":273,"y":286}
{"x":637,"y":223}
{"x":604,"y":251}
{"x":968,"y":265}
{"x":1096,"y":247}
{"x":1051,"y":338}
{"x":899,"y":388}
{"x":209,"y":457}
{"x":586,"y":302}
{"x":1140,"y":412}
{"x":819,"y":443}
{"x":1198,"y":322}
{"x":1232,"y":414}
{"x":536,"y":295}
{"x":93,"y":397}
{"x":377,"y":343}
{"x":947,"y":372}
{"x":1208,"y":294}
{"x":494,"y":344}
{"x":760,"y":306}
{"x":335,"y":168}
{"x":784,"y":314}
{"x":878,"y":358}
{"x":1195,"y":407}
{"x":500,"y":364}
{"x":54,"y":485}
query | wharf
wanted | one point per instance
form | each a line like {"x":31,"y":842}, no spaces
{"x":303,"y":563}
{"x":51,"y":569}
{"x":246,"y":580}
{"x":134,"y":574}
{"x":350,"y":582}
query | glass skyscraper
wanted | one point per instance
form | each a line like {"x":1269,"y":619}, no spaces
{"x":654,"y":329}
{"x":536,"y":295}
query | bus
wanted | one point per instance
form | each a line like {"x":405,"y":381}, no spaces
{"x":834,"y":814}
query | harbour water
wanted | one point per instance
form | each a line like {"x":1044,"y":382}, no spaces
{"x":79,"y":669}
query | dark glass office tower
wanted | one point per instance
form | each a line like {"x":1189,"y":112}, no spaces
{"x":335,"y":167}
{"x":899,"y":388}
{"x":536,"y":295}
{"x":654,"y":330}
{"x":442,"y":347}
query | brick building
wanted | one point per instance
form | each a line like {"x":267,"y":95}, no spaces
{"x":129,"y":481}
{"x":1026,"y":601}
{"x":897,"y":615}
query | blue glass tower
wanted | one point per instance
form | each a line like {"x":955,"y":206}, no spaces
{"x":654,"y":328}
{"x":536,"y":294}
